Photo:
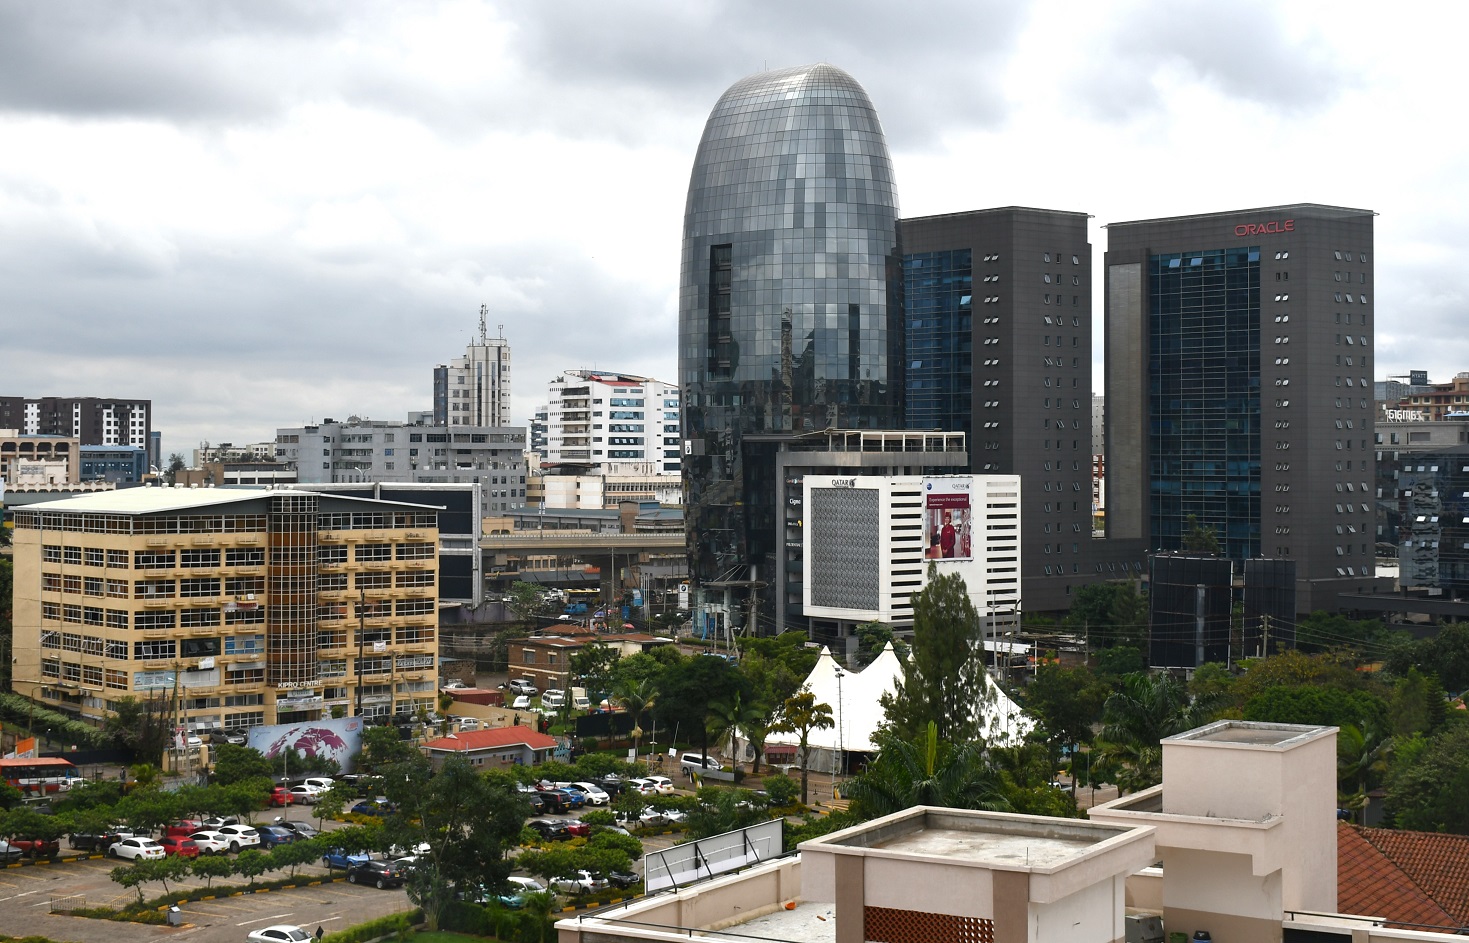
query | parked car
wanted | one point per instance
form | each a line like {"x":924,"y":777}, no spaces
{"x":272,"y":835}
{"x":136,"y":849}
{"x":397,"y":851}
{"x":553,"y":800}
{"x":569,"y":798}
{"x":181,"y":829}
{"x":37,"y":847}
{"x":519,"y":888}
{"x":550,"y":831}
{"x":341,"y":858}
{"x":210,"y":843}
{"x":697,"y":762}
{"x":521,"y":702}
{"x":240,"y":836}
{"x":523,"y":686}
{"x":280,"y":933}
{"x":305,"y":795}
{"x":301,"y":829}
{"x":553,"y":699}
{"x":662,"y":785}
{"x":183,"y":847}
{"x":380,"y":874}
{"x":216,"y":823}
{"x":9,"y":852}
{"x":623,"y":879}
{"x":322,"y":783}
{"x":453,"y":685}
{"x":92,"y":841}
{"x":578,"y":882}
{"x":595,"y":794}
{"x":281,"y":796}
{"x":374,"y":807}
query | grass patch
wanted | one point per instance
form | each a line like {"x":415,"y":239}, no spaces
{"x":442,"y":936}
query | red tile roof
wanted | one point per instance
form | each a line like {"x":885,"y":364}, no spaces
{"x":1412,"y":879}
{"x":490,"y":739}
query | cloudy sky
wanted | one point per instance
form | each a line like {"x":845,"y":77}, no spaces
{"x":265,"y":212}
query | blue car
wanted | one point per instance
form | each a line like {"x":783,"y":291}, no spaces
{"x":272,"y":835}
{"x":374,"y":807}
{"x":341,"y":858}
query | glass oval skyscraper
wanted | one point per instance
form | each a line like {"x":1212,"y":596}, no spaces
{"x":790,"y":313}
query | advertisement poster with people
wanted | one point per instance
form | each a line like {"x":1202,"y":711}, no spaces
{"x":947,"y":518}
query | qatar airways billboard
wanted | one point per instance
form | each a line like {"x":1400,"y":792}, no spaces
{"x":339,"y":739}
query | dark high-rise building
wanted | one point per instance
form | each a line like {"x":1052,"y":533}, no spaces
{"x":93,"y":420}
{"x":999,"y":344}
{"x":790,"y":317}
{"x":1239,"y":392}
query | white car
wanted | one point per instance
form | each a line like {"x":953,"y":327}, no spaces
{"x":578,"y":882}
{"x":307,"y":795}
{"x":280,"y":933}
{"x":210,"y":843}
{"x":136,"y":849}
{"x":521,"y":703}
{"x":697,"y":761}
{"x":218,"y":822}
{"x":240,"y":836}
{"x":595,"y":794}
{"x":322,"y":783}
{"x":422,"y":848}
{"x":662,"y":785}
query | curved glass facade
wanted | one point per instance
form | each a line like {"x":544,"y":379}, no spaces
{"x":790,"y":310}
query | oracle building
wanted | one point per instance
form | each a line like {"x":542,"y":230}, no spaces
{"x":1239,"y":392}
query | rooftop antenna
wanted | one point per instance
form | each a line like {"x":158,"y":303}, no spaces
{"x":484,"y":311}
{"x":502,"y":331}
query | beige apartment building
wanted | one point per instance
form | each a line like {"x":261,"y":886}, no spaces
{"x":239,"y":607}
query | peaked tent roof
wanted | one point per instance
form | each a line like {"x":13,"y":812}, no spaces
{"x":856,"y":706}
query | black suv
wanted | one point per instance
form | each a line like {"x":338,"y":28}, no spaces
{"x":377,"y":873}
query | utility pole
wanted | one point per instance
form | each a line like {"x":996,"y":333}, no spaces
{"x":1265,"y":640}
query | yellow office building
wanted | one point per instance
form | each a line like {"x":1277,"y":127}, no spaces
{"x":239,"y":606}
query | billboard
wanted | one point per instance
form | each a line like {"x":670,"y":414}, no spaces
{"x":948,"y":516}
{"x":339,"y":739}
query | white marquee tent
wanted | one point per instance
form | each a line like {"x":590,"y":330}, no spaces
{"x":855,"y":699}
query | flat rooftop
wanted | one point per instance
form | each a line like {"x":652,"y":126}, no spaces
{"x":997,"y":849}
{"x":808,"y":922}
{"x":1251,"y":733}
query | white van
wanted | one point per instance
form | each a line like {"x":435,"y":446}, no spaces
{"x":553,"y":699}
{"x":697,"y":761}
{"x":579,"y":699}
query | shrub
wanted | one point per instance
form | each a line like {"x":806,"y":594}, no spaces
{"x":781,"y":789}
{"x":372,"y":929}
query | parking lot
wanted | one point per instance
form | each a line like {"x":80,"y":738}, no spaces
{"x":27,"y":894}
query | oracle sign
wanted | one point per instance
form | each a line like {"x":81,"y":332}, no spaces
{"x":1260,"y":229}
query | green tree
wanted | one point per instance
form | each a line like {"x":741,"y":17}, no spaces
{"x":1418,"y":703}
{"x":235,"y":764}
{"x":28,"y":823}
{"x":723,"y":810}
{"x":142,"y":726}
{"x":636,"y":696}
{"x":528,"y":601}
{"x":1428,"y":783}
{"x":1135,"y":720}
{"x":251,"y":863}
{"x":176,"y":464}
{"x":872,"y":638}
{"x":1362,"y":755}
{"x":1109,"y":614}
{"x":731,"y":718}
{"x":130,"y":876}
{"x":687,"y":689}
{"x":1067,"y":701}
{"x":149,"y":808}
{"x":943,"y":677}
{"x":210,"y":867}
{"x":927,"y":770}
{"x":800,"y":715}
{"x":1446,"y":654}
{"x":592,"y":666}
{"x":1199,"y":538}
{"x":1329,"y":707}
{"x":467,"y":822}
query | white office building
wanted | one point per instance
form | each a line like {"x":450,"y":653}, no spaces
{"x":870,"y":540}
{"x":474,"y":390}
{"x":615,"y":423}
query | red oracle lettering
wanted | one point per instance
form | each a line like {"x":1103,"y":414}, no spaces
{"x":1273,"y":226}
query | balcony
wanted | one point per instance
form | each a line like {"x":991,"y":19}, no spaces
{"x":330,"y":537}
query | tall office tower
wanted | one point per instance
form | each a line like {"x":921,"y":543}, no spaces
{"x":92,"y":419}
{"x":474,"y":390}
{"x":1239,"y":388}
{"x":540,"y":426}
{"x":790,"y":314}
{"x":613,"y":422}
{"x":998,"y":309}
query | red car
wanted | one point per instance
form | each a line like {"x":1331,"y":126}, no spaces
{"x":181,"y":829}
{"x":183,"y":847}
{"x":577,"y":828}
{"x":281,"y":796}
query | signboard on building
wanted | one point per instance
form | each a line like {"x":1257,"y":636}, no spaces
{"x":948,"y":518}
{"x":339,"y":739}
{"x":1418,"y":377}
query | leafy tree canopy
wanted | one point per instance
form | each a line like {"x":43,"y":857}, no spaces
{"x":1333,"y":707}
{"x":943,"y":679}
{"x":1428,"y":783}
{"x":1109,"y":614}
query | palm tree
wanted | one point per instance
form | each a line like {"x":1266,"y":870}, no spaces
{"x":800,"y":715}
{"x":635,"y":697}
{"x":1137,"y":718}
{"x":1362,"y":755}
{"x":927,"y":771}
{"x":731,"y":718}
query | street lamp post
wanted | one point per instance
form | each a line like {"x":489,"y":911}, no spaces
{"x":841,"y":733}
